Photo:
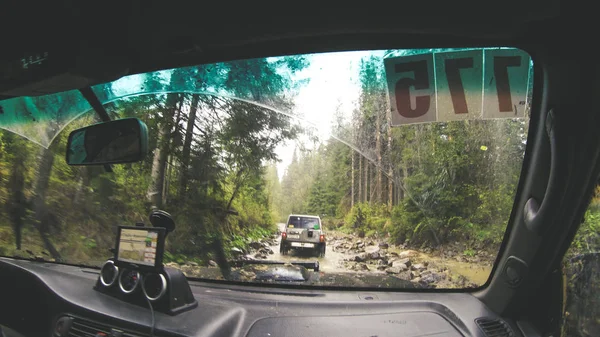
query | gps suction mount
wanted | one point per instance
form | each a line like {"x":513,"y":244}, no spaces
{"x":180,"y":297}
{"x":162,"y":219}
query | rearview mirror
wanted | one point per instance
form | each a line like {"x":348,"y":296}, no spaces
{"x":119,"y":141}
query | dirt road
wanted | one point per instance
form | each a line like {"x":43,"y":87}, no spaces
{"x":346,"y":254}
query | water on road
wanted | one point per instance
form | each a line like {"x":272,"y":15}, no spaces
{"x":331,"y":262}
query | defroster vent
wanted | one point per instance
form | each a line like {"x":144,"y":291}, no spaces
{"x":72,"y":326}
{"x":494,"y":327}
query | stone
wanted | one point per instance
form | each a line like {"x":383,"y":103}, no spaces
{"x":405,"y":261}
{"x":362,"y":267}
{"x":400,"y":266}
{"x":237,"y":251}
{"x":360,"y":258}
{"x":419,"y":267}
{"x":408,"y":253}
{"x":172,"y":265}
{"x":393,"y":270}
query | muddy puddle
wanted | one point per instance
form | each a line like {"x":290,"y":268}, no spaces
{"x":476,"y":273}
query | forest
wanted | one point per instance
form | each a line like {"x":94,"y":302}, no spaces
{"x":213,"y":166}
{"x":423,"y":184}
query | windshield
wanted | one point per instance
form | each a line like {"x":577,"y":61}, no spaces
{"x":411,"y":159}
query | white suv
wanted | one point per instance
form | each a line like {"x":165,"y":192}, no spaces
{"x":303,"y":232}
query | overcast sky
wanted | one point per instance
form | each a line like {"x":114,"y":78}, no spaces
{"x":333,"y":82}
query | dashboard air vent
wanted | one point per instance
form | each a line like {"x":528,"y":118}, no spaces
{"x":86,"y":328}
{"x":494,"y":327}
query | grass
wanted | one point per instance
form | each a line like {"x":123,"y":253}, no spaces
{"x":30,"y":241}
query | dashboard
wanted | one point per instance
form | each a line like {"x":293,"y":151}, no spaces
{"x":41,"y":299}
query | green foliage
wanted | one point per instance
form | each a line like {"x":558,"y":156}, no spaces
{"x":458,"y":191}
{"x":587,"y":239}
{"x":469,"y":252}
{"x":88,"y":242}
{"x":367,"y":220}
{"x":332,"y":223}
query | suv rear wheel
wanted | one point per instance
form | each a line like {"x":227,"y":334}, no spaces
{"x":320,"y":250}
{"x":283,"y":250}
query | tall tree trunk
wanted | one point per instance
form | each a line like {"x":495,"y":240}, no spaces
{"x":187,"y":145}
{"x":403,"y":175}
{"x":360,"y":191}
{"x":378,"y":184}
{"x":158,"y":169}
{"x":389,"y":155}
{"x":42,"y":217}
{"x":221,"y":257}
{"x":43,"y":179}
{"x":78,"y":191}
{"x":419,"y":143}
{"x":218,"y":247}
{"x":352,"y":185}
{"x":175,"y":134}
{"x":17,"y":202}
{"x":373,"y":177}
{"x":207,"y":147}
{"x":366,"y":179}
{"x":167,"y":180}
{"x":159,"y":164}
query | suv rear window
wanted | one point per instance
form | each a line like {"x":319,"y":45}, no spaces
{"x":302,"y":222}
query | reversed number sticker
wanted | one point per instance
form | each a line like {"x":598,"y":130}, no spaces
{"x":505,"y":83}
{"x":458,"y":85}
{"x":459,"y":78}
{"x":412,"y":88}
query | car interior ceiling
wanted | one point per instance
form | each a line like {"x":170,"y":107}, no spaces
{"x":99,"y":43}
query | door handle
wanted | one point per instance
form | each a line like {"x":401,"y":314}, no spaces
{"x":537,"y":214}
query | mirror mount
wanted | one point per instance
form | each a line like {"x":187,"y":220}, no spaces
{"x":91,"y":97}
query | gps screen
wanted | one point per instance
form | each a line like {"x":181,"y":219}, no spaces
{"x":138,"y":246}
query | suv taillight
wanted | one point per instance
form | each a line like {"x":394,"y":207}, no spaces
{"x":283,"y":235}
{"x":322,"y":238}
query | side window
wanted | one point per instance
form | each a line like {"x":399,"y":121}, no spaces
{"x":581,"y":265}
